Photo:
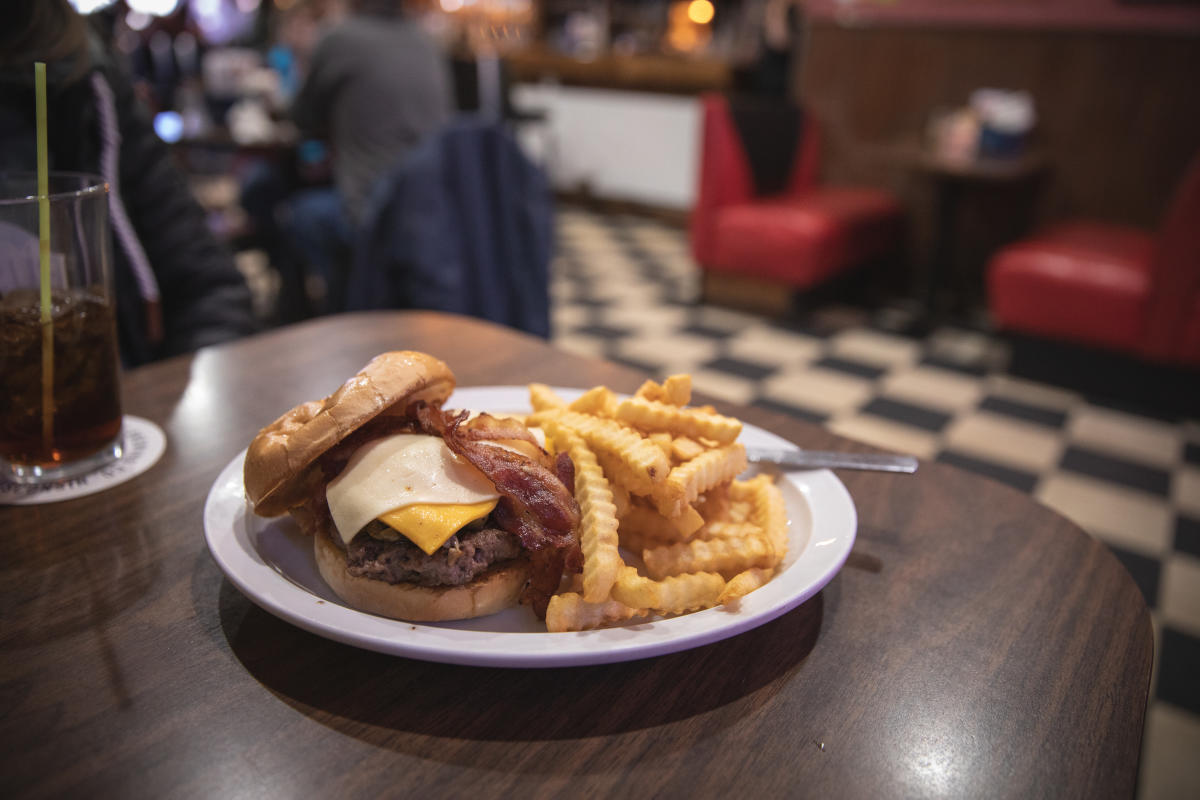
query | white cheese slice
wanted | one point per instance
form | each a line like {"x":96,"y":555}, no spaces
{"x":398,"y":471}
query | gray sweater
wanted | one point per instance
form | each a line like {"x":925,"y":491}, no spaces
{"x":376,"y":86}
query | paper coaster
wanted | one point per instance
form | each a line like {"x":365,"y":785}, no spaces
{"x":144,"y":445}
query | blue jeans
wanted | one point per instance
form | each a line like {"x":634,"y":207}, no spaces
{"x":321,"y":237}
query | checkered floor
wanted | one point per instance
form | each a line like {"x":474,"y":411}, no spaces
{"x":625,"y":288}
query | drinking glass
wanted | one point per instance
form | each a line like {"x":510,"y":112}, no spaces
{"x":60,"y":402}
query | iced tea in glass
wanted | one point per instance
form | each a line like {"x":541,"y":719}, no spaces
{"x":60,"y":403}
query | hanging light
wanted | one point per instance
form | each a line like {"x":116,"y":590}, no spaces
{"x":153,"y":8}
{"x":86,"y":7}
{"x":701,"y":11}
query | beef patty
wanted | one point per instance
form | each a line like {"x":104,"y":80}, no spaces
{"x":463,"y":557}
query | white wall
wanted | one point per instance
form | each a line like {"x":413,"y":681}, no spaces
{"x":633,"y":146}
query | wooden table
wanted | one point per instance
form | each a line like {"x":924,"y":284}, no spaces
{"x":1011,"y":184}
{"x":644,"y":72}
{"x":974,"y":645}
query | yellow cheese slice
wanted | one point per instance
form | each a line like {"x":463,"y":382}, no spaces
{"x":429,"y":526}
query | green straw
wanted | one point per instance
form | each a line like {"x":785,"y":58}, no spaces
{"x":43,"y":188}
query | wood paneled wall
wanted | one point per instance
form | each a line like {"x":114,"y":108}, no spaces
{"x":1172,"y":16}
{"x":1119,"y":112}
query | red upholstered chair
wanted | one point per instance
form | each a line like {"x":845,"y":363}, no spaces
{"x":1108,"y":286}
{"x":798,"y":237}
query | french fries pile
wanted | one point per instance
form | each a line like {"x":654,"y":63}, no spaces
{"x":658,"y":478}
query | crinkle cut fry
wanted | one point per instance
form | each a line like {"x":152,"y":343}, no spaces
{"x":642,"y":528}
{"x":728,"y":529}
{"x":639,"y":542}
{"x":621,"y":498}
{"x":645,"y":460}
{"x":653,"y":415}
{"x":622,"y":474}
{"x":543,"y":398}
{"x":599,"y":400}
{"x":739,"y":510}
{"x":725,"y":556}
{"x":685,"y":448}
{"x":598,"y":522}
{"x":656,"y":525}
{"x":686,"y":522}
{"x":714,"y":503}
{"x":664,"y":442}
{"x":767,"y":509}
{"x":676,"y":390}
{"x":744,"y":583}
{"x":570,"y":612}
{"x":651,"y":390}
{"x":689,"y":480}
{"x":673,"y":595}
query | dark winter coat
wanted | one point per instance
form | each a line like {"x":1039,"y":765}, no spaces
{"x":464,"y":224}
{"x":177,"y":288}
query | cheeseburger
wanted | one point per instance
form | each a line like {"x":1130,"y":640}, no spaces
{"x":415,"y":512}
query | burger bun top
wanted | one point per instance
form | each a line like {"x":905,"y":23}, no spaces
{"x":281,"y":452}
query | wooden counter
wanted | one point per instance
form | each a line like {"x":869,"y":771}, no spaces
{"x":647,"y":73}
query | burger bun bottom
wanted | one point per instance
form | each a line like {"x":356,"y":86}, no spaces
{"x":495,"y":590}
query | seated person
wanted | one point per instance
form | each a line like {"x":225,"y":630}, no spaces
{"x":177,"y":289}
{"x":376,"y":86}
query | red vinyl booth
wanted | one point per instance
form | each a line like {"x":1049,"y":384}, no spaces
{"x":800,"y":237}
{"x":1108,"y":286}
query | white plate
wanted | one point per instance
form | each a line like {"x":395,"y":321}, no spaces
{"x":271,"y":562}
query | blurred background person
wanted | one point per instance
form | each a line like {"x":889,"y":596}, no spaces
{"x":375,"y":87}
{"x":782,"y":48}
{"x":177,"y":289}
{"x":769,"y":49}
{"x":297,"y":29}
{"x":266,"y":183}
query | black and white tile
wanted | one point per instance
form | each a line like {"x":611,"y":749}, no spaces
{"x":625,"y":288}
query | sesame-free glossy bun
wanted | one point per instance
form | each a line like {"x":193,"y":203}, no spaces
{"x":281,"y":452}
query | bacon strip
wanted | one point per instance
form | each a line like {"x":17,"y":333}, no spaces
{"x":535,"y":489}
{"x":564,"y":468}
{"x":485,"y":426}
{"x":548,"y":560}
{"x":538,"y":506}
